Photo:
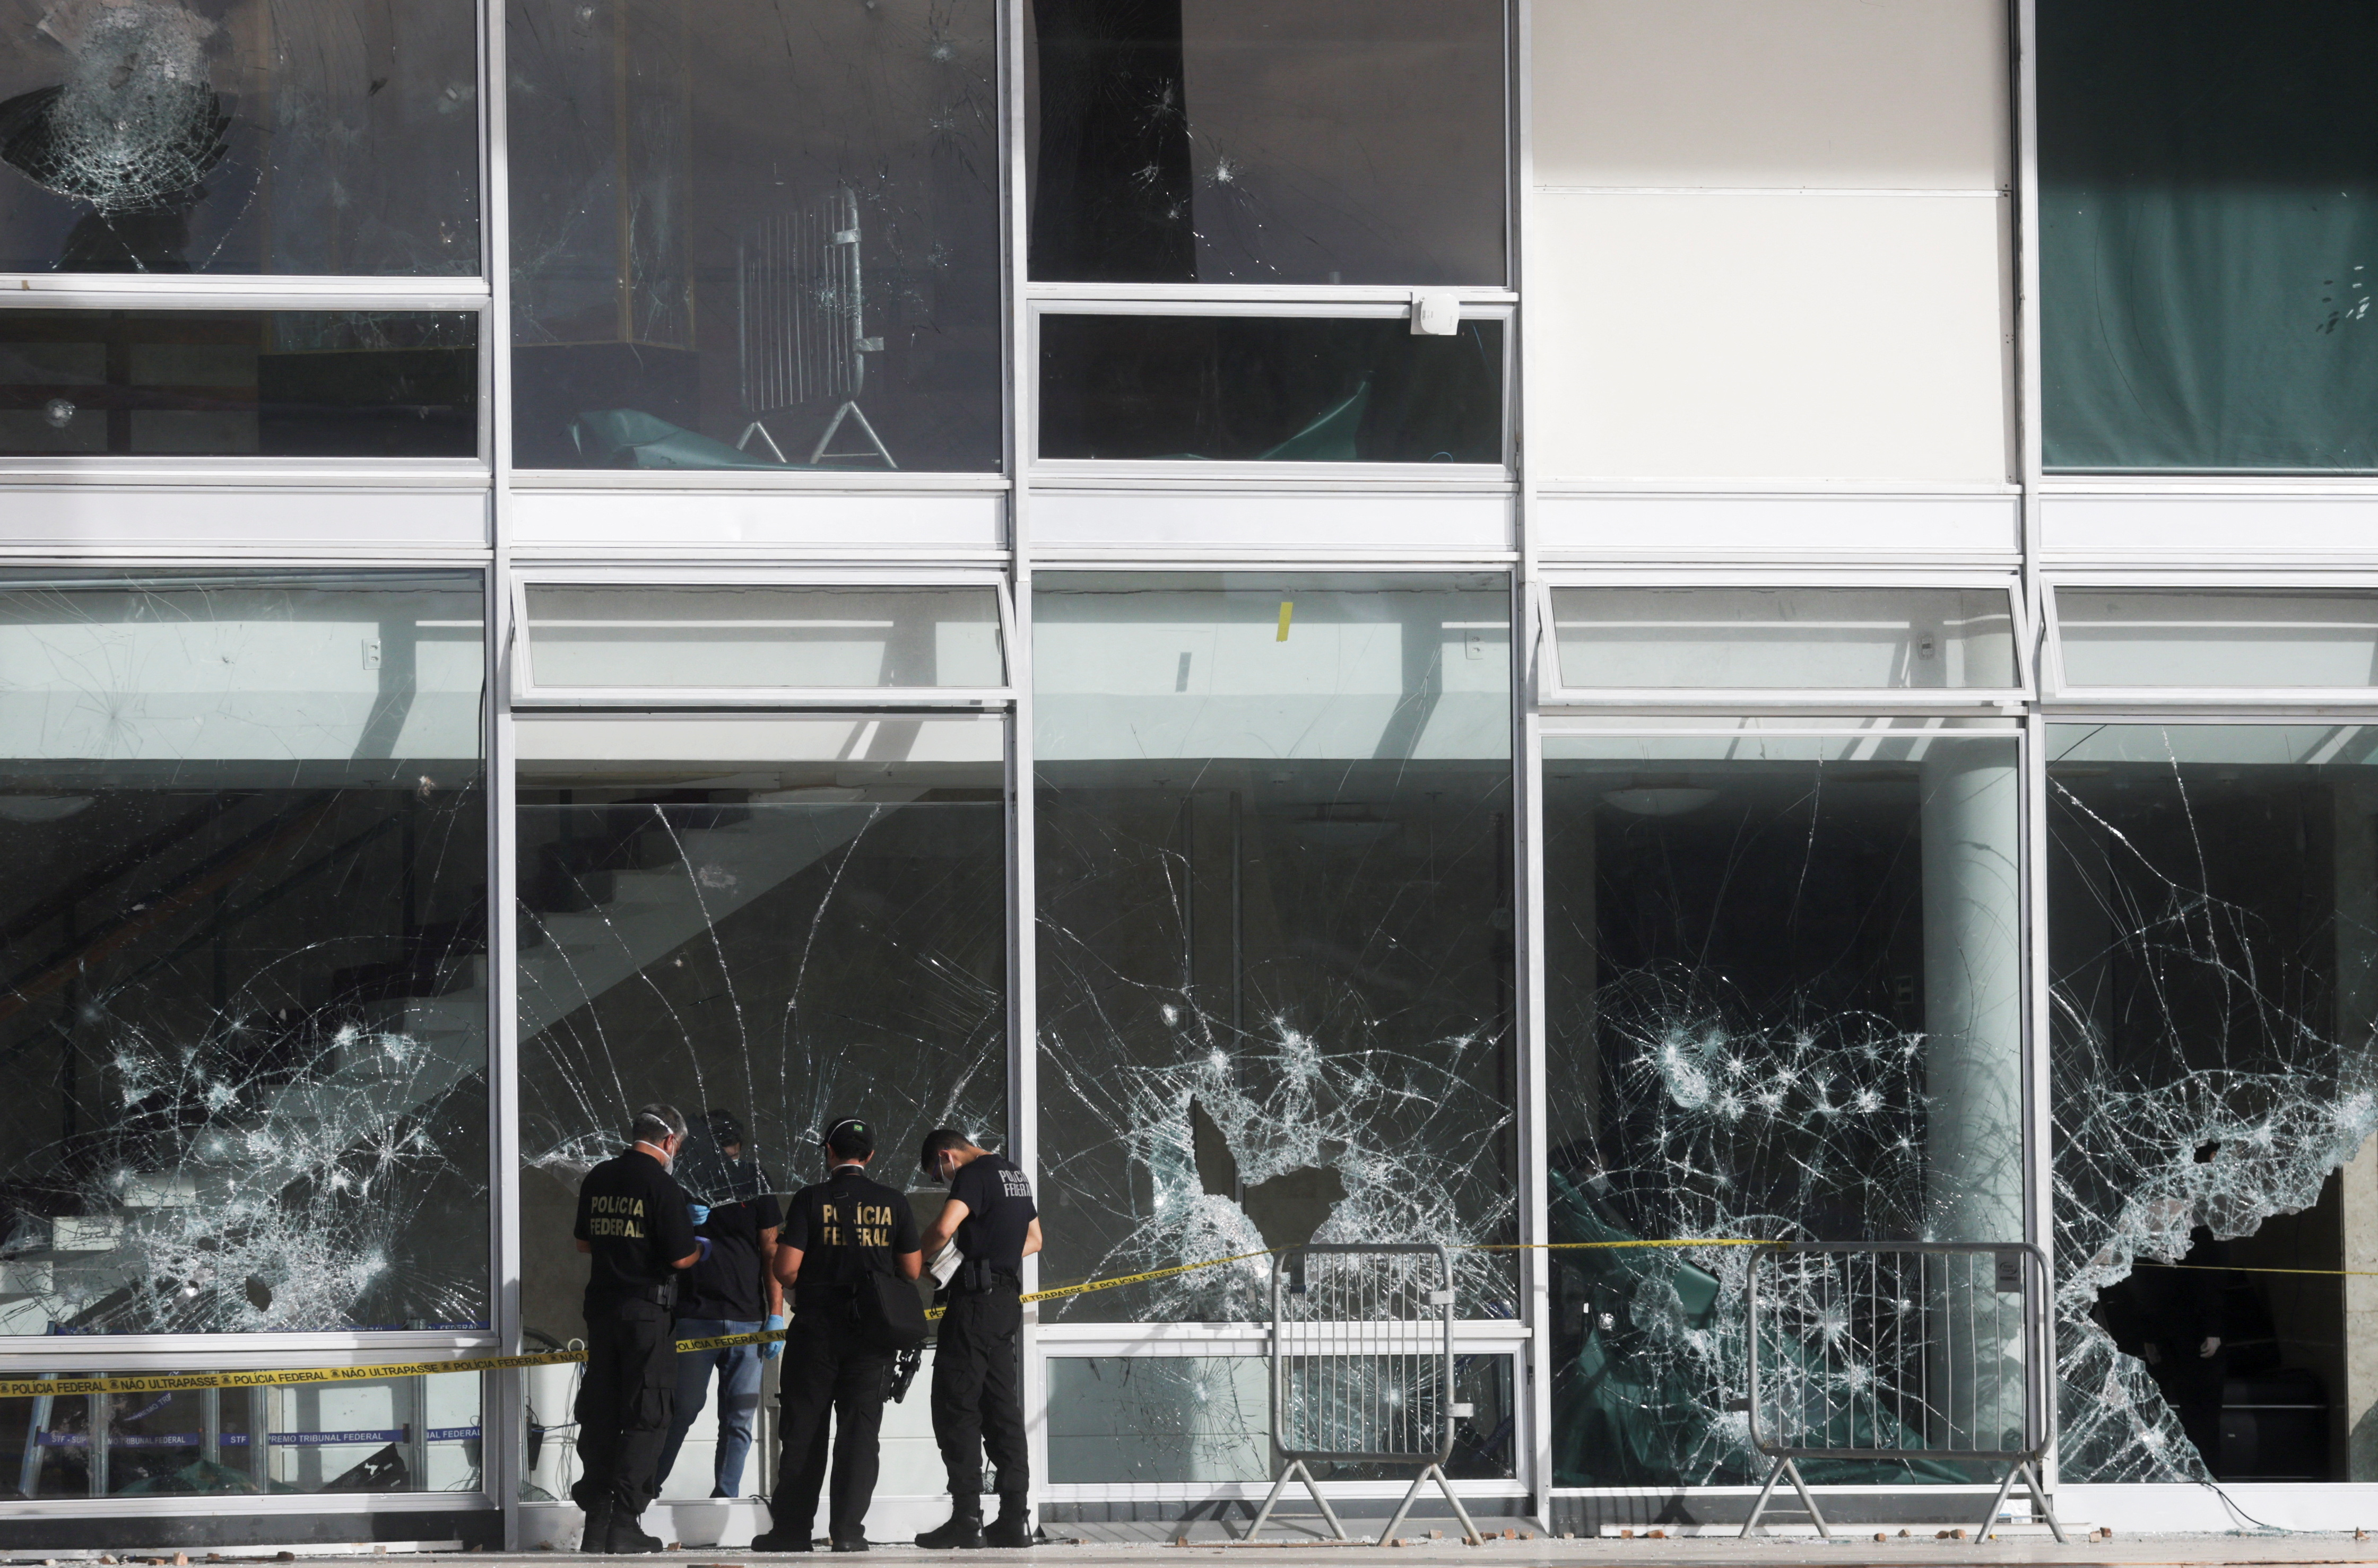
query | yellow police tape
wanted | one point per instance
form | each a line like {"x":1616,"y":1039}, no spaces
{"x":167,"y":1382}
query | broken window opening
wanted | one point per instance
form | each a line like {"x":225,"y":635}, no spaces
{"x":2213,"y":922}
{"x":1785,"y":1002}
{"x":789,"y":920}
{"x":244,"y":1004}
{"x":1275,"y":948}
{"x":279,"y":137}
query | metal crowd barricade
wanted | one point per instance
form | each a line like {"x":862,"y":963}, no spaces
{"x":1931,"y":1355}
{"x":1362,"y":1369}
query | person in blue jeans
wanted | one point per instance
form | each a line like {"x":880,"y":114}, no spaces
{"x":731,"y":1291}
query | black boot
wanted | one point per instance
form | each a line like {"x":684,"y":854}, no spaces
{"x":964,"y":1532}
{"x":1013,"y":1525}
{"x":786,"y":1540}
{"x":628,"y":1537}
{"x":596,"y":1536}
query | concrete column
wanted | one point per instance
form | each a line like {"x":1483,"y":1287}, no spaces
{"x":1973,"y":1072}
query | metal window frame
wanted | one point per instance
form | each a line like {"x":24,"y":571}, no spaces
{"x":1553,"y":696}
{"x":2060,"y":695}
{"x":525,"y":695}
{"x":1301,"y":305}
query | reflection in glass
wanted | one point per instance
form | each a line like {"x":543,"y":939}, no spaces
{"x":1784,"y":1001}
{"x":2212,"y":944}
{"x":1191,"y":1419}
{"x":718,"y":637}
{"x":239,"y":383}
{"x":244,"y":1008}
{"x":791,"y":920}
{"x":1786,"y":639}
{"x":401,"y":1435}
{"x":1225,"y":141}
{"x":755,"y":233}
{"x":1269,"y":388}
{"x":2136,"y":637}
{"x":240,"y":136}
{"x":1275,"y":949}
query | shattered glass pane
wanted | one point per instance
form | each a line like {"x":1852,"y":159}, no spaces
{"x":2213,"y":928}
{"x":239,"y":136}
{"x":1275,"y":927}
{"x":399,"y":1434}
{"x":245,"y":1007}
{"x":791,"y":920}
{"x":756,"y":234}
{"x":1248,"y":141}
{"x":1783,"y":1002}
{"x":1191,"y":1419}
{"x":1268,"y":388}
{"x":240,"y":383}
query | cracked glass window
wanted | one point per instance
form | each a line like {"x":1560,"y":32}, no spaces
{"x":390,"y":1435}
{"x":1268,"y":389}
{"x":755,"y":234}
{"x":785,"y":920}
{"x":1784,"y":1000}
{"x":1207,"y":1418}
{"x":244,"y":1009}
{"x":1227,"y":142}
{"x":239,"y":136}
{"x":1274,"y":816}
{"x":2213,"y":937}
{"x":239,"y":383}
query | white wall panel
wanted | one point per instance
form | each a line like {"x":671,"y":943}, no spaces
{"x":1187,"y":521}
{"x":218,"y":519}
{"x":2236,"y":528}
{"x":1769,"y":336}
{"x":748,"y":522}
{"x":1889,"y":94}
{"x":1752,"y":528}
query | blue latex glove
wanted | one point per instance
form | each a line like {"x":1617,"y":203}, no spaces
{"x":701,"y":1213}
{"x":775,"y":1348}
{"x":702,"y":1249}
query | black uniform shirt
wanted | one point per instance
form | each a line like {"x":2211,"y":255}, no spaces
{"x":727,"y":1283}
{"x":997,"y":1197}
{"x":844,"y":1225}
{"x":632,"y":1214}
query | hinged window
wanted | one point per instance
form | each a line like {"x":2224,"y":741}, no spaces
{"x":1717,"y":643}
{"x":2275,"y":643}
{"x":741,"y":643}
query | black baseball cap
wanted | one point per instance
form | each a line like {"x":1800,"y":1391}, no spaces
{"x":724,"y":1129}
{"x":851,"y":1139}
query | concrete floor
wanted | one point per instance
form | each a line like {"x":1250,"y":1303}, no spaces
{"x":2244,"y":1550}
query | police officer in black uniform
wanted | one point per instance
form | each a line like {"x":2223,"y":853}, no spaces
{"x":978,"y":1368}
{"x":634,"y":1222}
{"x":835,"y":1235}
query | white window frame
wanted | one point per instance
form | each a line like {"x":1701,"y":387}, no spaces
{"x":527,"y":695}
{"x":1553,"y":697}
{"x":2060,"y":694}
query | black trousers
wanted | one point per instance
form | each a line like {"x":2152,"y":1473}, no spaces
{"x":979,"y":1391}
{"x":828,"y":1371}
{"x":625,"y":1402}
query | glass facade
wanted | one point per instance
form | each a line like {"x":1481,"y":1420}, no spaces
{"x":994,"y":564}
